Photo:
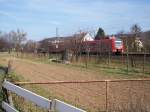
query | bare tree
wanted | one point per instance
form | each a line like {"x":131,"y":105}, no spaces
{"x":75,"y":44}
{"x":4,"y":43}
{"x":30,"y":46}
{"x":136,"y":33}
{"x":146,"y":40}
{"x":136,"y":30}
{"x":17,"y":38}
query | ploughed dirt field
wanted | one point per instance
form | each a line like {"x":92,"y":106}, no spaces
{"x":89,"y":96}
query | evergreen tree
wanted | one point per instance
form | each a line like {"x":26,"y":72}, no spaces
{"x":100,"y":34}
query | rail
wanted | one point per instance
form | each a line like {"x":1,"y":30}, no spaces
{"x":107,"y":82}
{"x":82,"y":81}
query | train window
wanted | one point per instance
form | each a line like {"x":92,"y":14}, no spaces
{"x":118,"y":43}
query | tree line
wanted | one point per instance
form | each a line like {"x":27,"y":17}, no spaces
{"x":17,"y":40}
{"x":135,"y":40}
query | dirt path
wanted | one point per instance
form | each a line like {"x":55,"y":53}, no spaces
{"x":52,"y":72}
{"x":75,"y":93}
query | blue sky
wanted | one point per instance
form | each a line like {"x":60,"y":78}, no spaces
{"x":39,"y":18}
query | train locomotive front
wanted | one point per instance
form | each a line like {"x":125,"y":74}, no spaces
{"x":103,"y":46}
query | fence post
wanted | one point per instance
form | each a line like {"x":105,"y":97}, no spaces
{"x":9,"y":67}
{"x":109,"y":56}
{"x":106,"y":99}
{"x":50,"y":107}
{"x":10,"y":99}
{"x":127,"y":51}
{"x":122,"y":58}
{"x":144,"y":58}
{"x":8,"y":96}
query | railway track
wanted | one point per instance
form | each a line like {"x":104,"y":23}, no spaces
{"x":116,"y":54}
{"x":137,"y":54}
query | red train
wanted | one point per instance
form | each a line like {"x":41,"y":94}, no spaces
{"x":107,"y":45}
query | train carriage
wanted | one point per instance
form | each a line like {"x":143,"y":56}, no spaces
{"x":108,"y":45}
{"x":103,"y":46}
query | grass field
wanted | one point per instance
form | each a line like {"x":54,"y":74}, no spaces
{"x":91,"y":97}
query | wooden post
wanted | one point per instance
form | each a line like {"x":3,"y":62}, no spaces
{"x":109,"y":59}
{"x":127,"y":51}
{"x":10,"y":99}
{"x":106,"y":98}
{"x":122,"y":58}
{"x":8,"y":96}
{"x":52,"y":106}
{"x":144,"y":58}
{"x":9,"y":66}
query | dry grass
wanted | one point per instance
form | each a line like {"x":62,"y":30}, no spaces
{"x":91,"y":97}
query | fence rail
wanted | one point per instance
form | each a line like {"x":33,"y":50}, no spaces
{"x":8,"y":108}
{"x":99,"y":94}
{"x":82,"y":81}
{"x":37,"y":99}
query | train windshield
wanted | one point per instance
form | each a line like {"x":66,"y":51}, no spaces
{"x":118,"y":43}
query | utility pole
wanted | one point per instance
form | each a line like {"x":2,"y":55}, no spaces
{"x":56,"y":32}
{"x":57,"y":39}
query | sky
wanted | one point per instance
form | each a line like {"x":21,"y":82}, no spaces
{"x":40,"y":18}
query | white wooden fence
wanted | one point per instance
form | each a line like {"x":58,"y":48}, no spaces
{"x":55,"y":104}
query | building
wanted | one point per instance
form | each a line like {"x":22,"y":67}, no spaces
{"x":56,"y":44}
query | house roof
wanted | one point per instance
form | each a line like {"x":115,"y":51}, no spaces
{"x":66,"y":38}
